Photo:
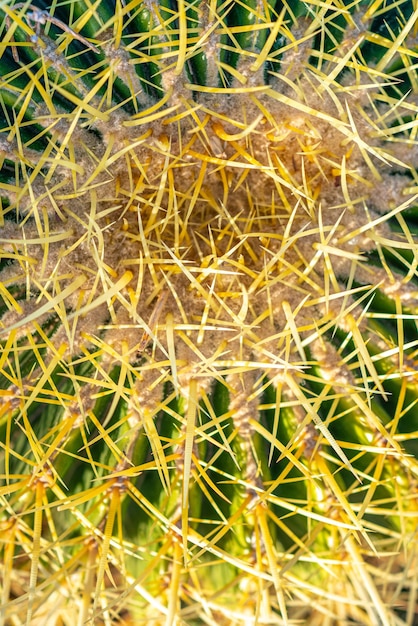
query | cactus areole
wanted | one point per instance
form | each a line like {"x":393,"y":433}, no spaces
{"x":208,"y":312}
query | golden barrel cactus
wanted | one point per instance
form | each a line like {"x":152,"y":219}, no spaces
{"x":208,"y":313}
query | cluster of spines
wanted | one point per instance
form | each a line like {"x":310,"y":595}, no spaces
{"x":179,"y":52}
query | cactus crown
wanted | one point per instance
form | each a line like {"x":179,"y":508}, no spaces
{"x":208,"y":311}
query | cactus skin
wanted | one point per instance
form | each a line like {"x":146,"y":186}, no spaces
{"x":209,"y":313}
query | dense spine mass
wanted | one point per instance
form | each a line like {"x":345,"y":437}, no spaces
{"x":208,"y":313}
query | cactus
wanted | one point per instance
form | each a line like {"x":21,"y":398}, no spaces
{"x":208,"y":321}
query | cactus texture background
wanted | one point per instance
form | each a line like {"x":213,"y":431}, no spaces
{"x":208,"y":312}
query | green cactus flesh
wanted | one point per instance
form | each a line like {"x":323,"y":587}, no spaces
{"x":208,"y":322}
